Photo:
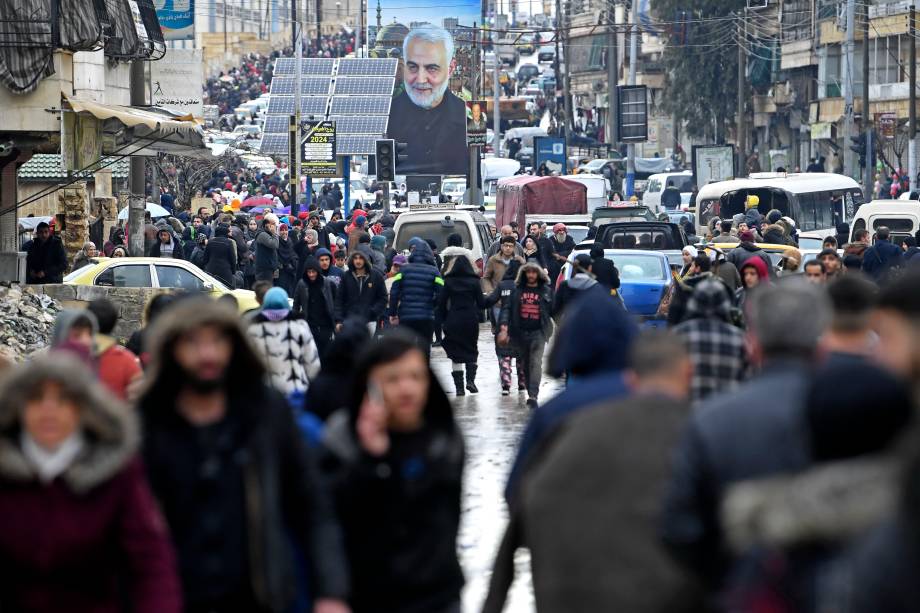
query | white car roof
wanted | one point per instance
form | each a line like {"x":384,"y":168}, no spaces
{"x":794,"y":183}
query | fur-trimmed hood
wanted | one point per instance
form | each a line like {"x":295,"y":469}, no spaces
{"x":830,"y":503}
{"x":449,"y":254}
{"x":109,"y":427}
{"x":543,"y":279}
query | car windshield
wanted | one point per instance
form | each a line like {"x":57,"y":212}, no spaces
{"x":811,"y":243}
{"x":639,"y":267}
{"x":656,"y":239}
{"x":434,"y":230}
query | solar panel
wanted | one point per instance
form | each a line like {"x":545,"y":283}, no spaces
{"x":280,"y":105}
{"x":275,"y":124}
{"x":314,"y":86}
{"x":383,"y":67}
{"x":282,"y":86}
{"x":380,"y":86}
{"x":274,"y":143}
{"x":352,"y":144}
{"x":375,"y":124}
{"x":361,"y":105}
{"x":310,"y":66}
{"x":312,"y":105}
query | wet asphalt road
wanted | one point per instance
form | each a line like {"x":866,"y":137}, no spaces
{"x":492,"y":425}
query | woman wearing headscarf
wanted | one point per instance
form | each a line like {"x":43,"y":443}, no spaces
{"x":83,"y":255}
{"x":753,"y":273}
{"x":532,"y":252}
{"x":687,"y":254}
{"x":82,"y":531}
{"x":459,"y":308}
{"x":220,"y":258}
{"x":116,"y":239}
{"x":287,"y":258}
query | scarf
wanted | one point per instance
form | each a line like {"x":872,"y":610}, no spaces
{"x":50,"y":464}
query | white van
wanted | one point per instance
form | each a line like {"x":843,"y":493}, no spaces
{"x":437,"y":222}
{"x":657,"y":183}
{"x":902,"y":217}
{"x":598,"y":188}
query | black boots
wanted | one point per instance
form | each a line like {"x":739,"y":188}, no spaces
{"x":458,"y":382}
{"x":471,"y":378}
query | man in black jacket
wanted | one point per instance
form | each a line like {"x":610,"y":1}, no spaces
{"x":362,"y":293}
{"x":314,"y":300}
{"x":229,"y":469}
{"x":526,"y":319}
{"x":46,"y":260}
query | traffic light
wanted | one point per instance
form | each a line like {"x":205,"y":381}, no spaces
{"x":401,"y":156}
{"x":385,"y":149}
{"x":859,"y":147}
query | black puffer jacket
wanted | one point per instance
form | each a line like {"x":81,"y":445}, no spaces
{"x":400,"y":512}
{"x":364,"y":297}
{"x":416,"y":290}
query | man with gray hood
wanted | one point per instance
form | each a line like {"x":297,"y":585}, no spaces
{"x":581,"y":283}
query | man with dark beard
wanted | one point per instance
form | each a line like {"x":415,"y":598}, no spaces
{"x":426,"y":116}
{"x":231,"y":474}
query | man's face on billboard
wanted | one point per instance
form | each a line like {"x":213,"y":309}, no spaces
{"x":477,"y":112}
{"x":426,"y":73}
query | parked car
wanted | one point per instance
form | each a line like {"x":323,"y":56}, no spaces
{"x":667,"y":238}
{"x":657,"y":183}
{"x":646,"y":282}
{"x":902,"y":217}
{"x":156,"y":272}
{"x":527,"y":72}
{"x":546,"y":53}
{"x":621,"y":212}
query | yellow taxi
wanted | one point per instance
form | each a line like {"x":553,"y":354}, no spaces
{"x":154,"y":273}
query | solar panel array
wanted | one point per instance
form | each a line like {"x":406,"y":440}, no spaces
{"x":354,"y":92}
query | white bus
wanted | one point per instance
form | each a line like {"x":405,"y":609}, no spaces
{"x":816,"y":201}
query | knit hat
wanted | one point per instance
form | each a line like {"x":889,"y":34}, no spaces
{"x":378,"y":243}
{"x":773,"y":216}
{"x":360,"y":220}
{"x":746,"y":237}
{"x":400,"y":260}
{"x":275,"y":305}
{"x":559,"y":227}
{"x":751,"y":202}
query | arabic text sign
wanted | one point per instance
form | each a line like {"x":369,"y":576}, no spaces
{"x":177,"y":18}
{"x":317,"y":149}
{"x":176,"y":81}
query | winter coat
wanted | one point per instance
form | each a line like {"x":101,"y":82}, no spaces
{"x":564,"y":249}
{"x":450,"y":253}
{"x":460,"y":304}
{"x":683,"y":291}
{"x":417,"y":288}
{"x":400,"y":512}
{"x":511,"y":308}
{"x":745,"y":251}
{"x":375,"y":258}
{"x":774,"y":235}
{"x":48,"y":257}
{"x":716,"y":347}
{"x":495,"y":272}
{"x":288,"y":348}
{"x":93,"y":538}
{"x":570,"y":290}
{"x":606,"y":273}
{"x":302,"y":296}
{"x":277,"y":495}
{"x":880,"y":258}
{"x":118,"y":367}
{"x":757,"y":430}
{"x":593,"y":489}
{"x":363,"y":296}
{"x":753,"y":218}
{"x":494,"y":303}
{"x":220,"y":259}
{"x":266,"y":246}
{"x":178,"y":251}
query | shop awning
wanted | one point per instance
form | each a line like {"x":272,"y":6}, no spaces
{"x":151,"y":128}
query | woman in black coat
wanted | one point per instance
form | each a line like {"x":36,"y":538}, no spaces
{"x":220,"y":256}
{"x":459,"y":308}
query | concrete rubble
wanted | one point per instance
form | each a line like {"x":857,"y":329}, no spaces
{"x":26,"y":320}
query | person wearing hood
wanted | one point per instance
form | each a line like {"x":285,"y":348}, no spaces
{"x":843,"y":234}
{"x":326,"y":266}
{"x":715,"y":346}
{"x":75,"y":332}
{"x":220,"y":256}
{"x":690,"y":231}
{"x":357,"y":230}
{"x":580,"y":284}
{"x":374,"y":250}
{"x":287,"y":260}
{"x":605,"y":271}
{"x":505,"y":351}
{"x":687,"y":254}
{"x":361,"y":294}
{"x":83,"y":532}
{"x":84,"y":255}
{"x":314,"y":301}
{"x":526,"y":321}
{"x":459,"y":307}
{"x":753,"y":274}
{"x":308,"y":246}
{"x":332,"y":388}
{"x":700,"y":270}
{"x":315,"y":223}
{"x":562,"y":245}
{"x":747,"y":249}
{"x":454,"y":250}
{"x":166,"y":245}
{"x":119,"y":368}
{"x":533,"y":253}
{"x":416,"y":292}
{"x":595,"y":488}
{"x":265,"y":240}
{"x":752,"y":217}
{"x":910,"y":249}
{"x":228,"y":466}
{"x":773,"y":231}
{"x":116,"y":239}
{"x":394,"y":461}
{"x":46,"y":260}
{"x":882,"y":258}
{"x":285,"y":342}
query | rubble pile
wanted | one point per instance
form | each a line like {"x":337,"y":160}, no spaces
{"x":26,"y":320}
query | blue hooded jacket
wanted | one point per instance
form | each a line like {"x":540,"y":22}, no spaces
{"x":417,"y":287}
{"x":593,"y":344}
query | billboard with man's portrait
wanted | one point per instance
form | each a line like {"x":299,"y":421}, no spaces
{"x":428,"y":112}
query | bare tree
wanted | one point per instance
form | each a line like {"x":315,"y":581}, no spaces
{"x":187,"y":175}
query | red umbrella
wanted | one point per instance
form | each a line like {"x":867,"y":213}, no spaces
{"x":257,"y":201}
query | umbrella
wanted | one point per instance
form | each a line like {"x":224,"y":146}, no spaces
{"x":155,"y":211}
{"x":258,"y":201}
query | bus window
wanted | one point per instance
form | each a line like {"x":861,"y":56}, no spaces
{"x":826,"y":204}
{"x":806,"y":221}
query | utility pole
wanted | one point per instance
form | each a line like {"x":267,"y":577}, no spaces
{"x":294,"y":170}
{"x":294,"y":23}
{"x":613,"y":74}
{"x":848,"y":53}
{"x":912,"y":100}
{"x":473,"y":187}
{"x":137,"y":201}
{"x":557,"y":58}
{"x":633,"y":52}
{"x":226,"y":8}
{"x":566,"y":98}
{"x":742,"y":70}
{"x":359,"y":35}
{"x":866,"y":115}
{"x":496,"y":93}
